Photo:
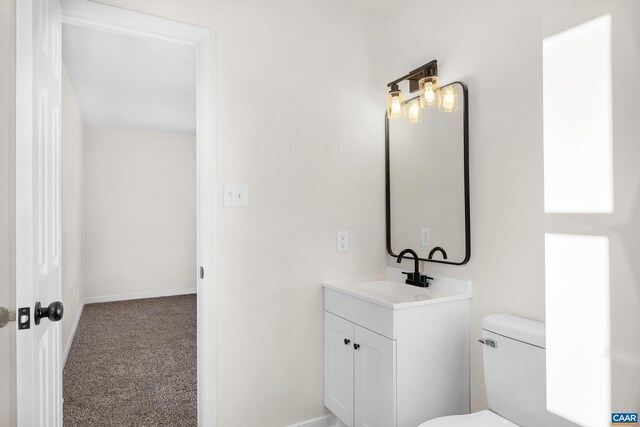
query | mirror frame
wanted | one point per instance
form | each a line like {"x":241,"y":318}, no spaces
{"x":467,"y":215}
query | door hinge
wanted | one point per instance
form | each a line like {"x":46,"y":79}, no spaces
{"x":24,"y":318}
{"x":489,"y":342}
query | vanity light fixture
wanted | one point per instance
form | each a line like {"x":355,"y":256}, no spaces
{"x":425,"y":80}
{"x":395,"y":103}
{"x":428,"y":91}
{"x":414,"y":111}
{"x":448,"y":99}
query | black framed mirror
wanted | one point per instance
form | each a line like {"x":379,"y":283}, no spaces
{"x":427,"y":183}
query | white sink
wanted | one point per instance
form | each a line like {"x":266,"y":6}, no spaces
{"x":391,"y":290}
{"x":395,"y":289}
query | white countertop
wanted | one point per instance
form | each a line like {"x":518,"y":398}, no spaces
{"x":391,"y":291}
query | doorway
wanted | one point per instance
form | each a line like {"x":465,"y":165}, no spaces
{"x":128,"y":186}
{"x":91,"y":15}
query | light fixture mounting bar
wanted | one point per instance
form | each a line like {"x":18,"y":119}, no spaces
{"x":427,"y":70}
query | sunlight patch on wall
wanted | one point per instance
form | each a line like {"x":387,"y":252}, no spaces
{"x":578,"y":119}
{"x":577,"y":328}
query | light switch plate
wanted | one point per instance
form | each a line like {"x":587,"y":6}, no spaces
{"x":342,"y":241}
{"x":235,"y":195}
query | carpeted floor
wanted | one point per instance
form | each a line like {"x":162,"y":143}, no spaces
{"x":133,"y":363}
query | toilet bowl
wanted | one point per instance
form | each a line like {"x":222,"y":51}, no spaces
{"x":514,"y":371}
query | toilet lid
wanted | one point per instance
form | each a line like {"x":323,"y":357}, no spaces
{"x":477,"y":419}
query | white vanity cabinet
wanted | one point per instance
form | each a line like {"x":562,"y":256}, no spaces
{"x":394,"y":363}
{"x":359,"y":373}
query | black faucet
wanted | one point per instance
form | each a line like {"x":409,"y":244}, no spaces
{"x":415,"y":278}
{"x":437,"y":249}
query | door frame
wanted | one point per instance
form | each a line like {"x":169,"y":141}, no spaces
{"x":98,"y":16}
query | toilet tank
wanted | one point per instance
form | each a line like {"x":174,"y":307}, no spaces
{"x":514,"y":371}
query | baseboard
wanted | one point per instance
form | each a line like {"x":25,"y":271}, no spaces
{"x":67,"y":346}
{"x":141,"y":295}
{"x":326,"y":421}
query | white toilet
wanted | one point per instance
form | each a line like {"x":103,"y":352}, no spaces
{"x":514,"y":373}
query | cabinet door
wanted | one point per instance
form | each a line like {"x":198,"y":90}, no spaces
{"x":375,"y":379}
{"x":338,"y":367}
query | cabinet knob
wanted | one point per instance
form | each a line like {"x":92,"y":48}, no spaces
{"x":356,"y":346}
{"x":346,"y":341}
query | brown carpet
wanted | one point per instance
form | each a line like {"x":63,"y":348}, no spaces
{"x":133,"y":363}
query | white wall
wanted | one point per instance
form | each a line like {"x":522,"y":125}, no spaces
{"x":72,"y":183}
{"x":299,"y":121}
{"x":139,"y":232}
{"x":7,"y":206}
{"x":496,"y":48}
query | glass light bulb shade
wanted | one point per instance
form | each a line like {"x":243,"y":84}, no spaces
{"x":448,"y":99}
{"x":395,"y":105}
{"x":428,"y":91}
{"x":414,"y":111}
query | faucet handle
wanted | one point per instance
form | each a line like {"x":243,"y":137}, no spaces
{"x":422,"y":278}
{"x":412,"y":276}
{"x":417,"y":279}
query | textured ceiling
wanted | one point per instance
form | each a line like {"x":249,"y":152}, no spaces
{"x":131,"y":82}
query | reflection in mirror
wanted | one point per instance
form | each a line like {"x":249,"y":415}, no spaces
{"x":427,"y":183}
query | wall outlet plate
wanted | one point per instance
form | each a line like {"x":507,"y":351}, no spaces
{"x":342,"y":241}
{"x":425,"y":235}
{"x":235,"y":195}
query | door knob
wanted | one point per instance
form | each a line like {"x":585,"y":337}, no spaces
{"x":356,"y":346}
{"x":346,"y":341}
{"x":53,"y":312}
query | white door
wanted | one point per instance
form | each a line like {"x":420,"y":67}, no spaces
{"x":338,"y":367}
{"x":375,"y":379}
{"x":38,"y":67}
